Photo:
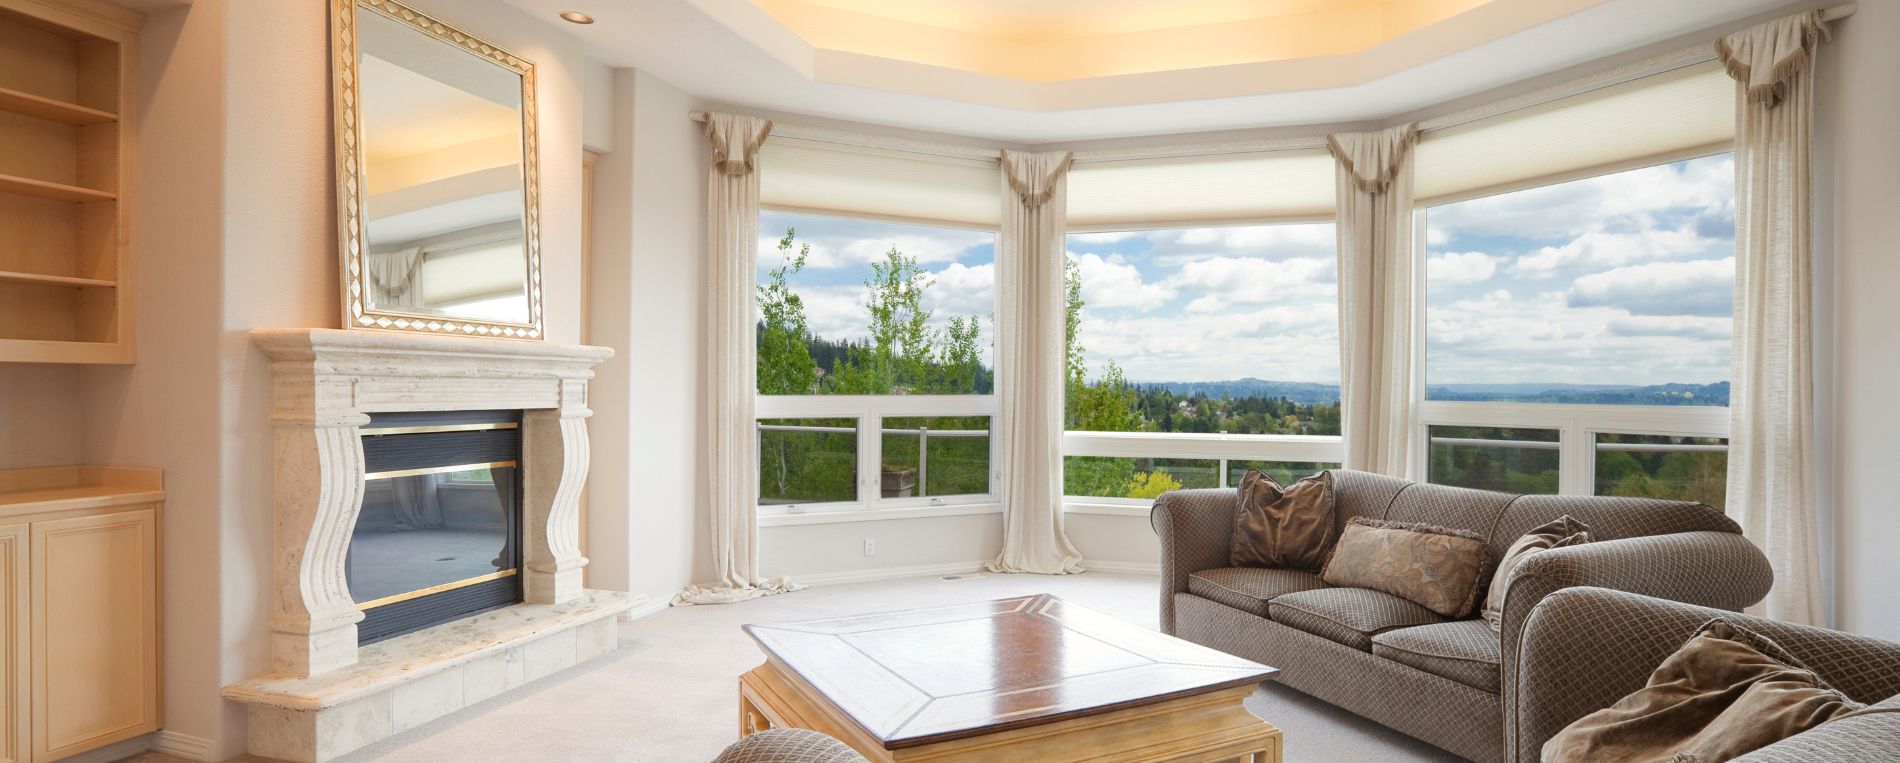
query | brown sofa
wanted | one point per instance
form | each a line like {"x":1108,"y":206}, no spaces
{"x":1447,"y":682}
{"x":1625,"y":636}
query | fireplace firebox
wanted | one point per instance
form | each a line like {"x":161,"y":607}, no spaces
{"x":439,"y":535}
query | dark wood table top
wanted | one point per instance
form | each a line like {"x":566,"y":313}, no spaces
{"x":929,"y":675}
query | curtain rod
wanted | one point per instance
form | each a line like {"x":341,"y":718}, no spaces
{"x":1661,"y":64}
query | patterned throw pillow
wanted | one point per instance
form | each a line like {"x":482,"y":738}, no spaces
{"x":1437,"y":568}
{"x":1562,"y":531}
{"x":1287,"y":528}
{"x":1725,"y":693}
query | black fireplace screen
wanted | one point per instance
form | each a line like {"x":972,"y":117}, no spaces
{"x":439,"y":536}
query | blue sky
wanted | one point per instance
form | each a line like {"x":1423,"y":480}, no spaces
{"x":1620,"y":279}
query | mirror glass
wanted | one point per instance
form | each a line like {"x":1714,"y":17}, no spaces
{"x":444,"y":199}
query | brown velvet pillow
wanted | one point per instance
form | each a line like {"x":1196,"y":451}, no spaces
{"x":1287,"y":528}
{"x":1437,"y":568}
{"x":1562,"y":531}
{"x":1725,"y":693}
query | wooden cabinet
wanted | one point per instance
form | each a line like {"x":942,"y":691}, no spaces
{"x":67,"y":79}
{"x":79,"y":569}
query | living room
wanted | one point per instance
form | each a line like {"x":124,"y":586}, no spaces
{"x":1056,"y":380}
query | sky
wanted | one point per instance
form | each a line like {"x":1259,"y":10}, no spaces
{"x":1620,"y":279}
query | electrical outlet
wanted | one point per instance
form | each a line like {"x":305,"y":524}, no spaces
{"x":870,"y":547}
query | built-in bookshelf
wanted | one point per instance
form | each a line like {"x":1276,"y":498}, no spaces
{"x":67,"y":71}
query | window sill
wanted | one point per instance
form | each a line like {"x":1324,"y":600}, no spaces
{"x":1107,"y":509}
{"x":877,"y":515}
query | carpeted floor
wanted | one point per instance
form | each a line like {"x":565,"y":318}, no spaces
{"x":668,"y":694}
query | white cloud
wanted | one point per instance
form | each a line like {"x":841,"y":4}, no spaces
{"x":1206,"y":304}
{"x":1570,"y":209}
{"x":1598,"y":249}
{"x":1499,"y":337}
{"x":1435,"y":236}
{"x":1248,"y":280}
{"x":1700,"y":287}
{"x":963,"y":290}
{"x":1461,"y":267}
{"x":1106,"y":283}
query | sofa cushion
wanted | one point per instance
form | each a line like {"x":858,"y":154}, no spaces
{"x":1350,"y":616}
{"x":1465,"y":651}
{"x":1727,"y":692}
{"x":1557,"y":533}
{"x":1440,"y":568}
{"x":1288,"y":527}
{"x":1248,"y":589}
{"x":1865,"y":734}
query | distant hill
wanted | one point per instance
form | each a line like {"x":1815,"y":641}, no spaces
{"x":1304,"y":393}
{"x":1308,"y":393}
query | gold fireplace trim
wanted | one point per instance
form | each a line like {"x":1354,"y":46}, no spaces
{"x":434,"y":589}
{"x":379,"y":431}
{"x":436,"y":470}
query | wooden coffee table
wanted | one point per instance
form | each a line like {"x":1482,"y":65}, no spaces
{"x":1026,"y":679}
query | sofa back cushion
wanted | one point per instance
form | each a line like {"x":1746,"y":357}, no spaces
{"x":1363,"y":494}
{"x":1454,"y":507}
{"x":1609,"y":517}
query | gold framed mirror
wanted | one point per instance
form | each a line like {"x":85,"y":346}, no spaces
{"x":437,"y":176}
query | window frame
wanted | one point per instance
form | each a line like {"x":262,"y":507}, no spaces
{"x":869,"y":412}
{"x":1577,"y":425}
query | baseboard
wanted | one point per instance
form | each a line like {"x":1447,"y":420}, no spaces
{"x":1130,"y":568}
{"x":885,"y":573}
{"x":643,"y":609}
{"x":185,"y":745}
{"x":116,"y":751}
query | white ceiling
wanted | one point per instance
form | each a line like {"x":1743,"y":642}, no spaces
{"x":733,"y":52}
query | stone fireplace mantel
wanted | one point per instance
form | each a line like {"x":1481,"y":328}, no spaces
{"x":326,"y":382}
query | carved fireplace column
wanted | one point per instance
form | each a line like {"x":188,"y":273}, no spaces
{"x":554,"y":444}
{"x":318,"y":493}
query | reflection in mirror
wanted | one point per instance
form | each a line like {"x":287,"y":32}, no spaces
{"x":442,"y":153}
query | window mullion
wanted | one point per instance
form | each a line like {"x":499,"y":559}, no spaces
{"x":870,"y":461}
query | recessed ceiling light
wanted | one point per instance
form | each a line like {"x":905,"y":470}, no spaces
{"x":577,"y":17}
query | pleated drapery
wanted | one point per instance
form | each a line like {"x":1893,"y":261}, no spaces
{"x":1374,"y":190}
{"x":1029,"y":367}
{"x":732,"y":240}
{"x":1771,"y":481}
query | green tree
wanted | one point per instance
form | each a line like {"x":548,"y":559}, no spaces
{"x":784,"y":359}
{"x":1150,"y":484}
{"x":902,"y":344}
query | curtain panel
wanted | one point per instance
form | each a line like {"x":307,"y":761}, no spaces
{"x":1029,"y":368}
{"x":732,"y":241}
{"x":1771,"y":480}
{"x":1373,"y":184}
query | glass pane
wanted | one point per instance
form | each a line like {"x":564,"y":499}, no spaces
{"x":1283,"y":472}
{"x":866,"y":307}
{"x":424,"y":530}
{"x":938,"y":456}
{"x":1231,"y":329}
{"x":1614,"y":289}
{"x":1492,"y":458}
{"x":1105,"y":477}
{"x":807,"y":460}
{"x":1660,"y":466}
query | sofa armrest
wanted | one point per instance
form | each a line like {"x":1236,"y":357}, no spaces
{"x":1584,"y":648}
{"x":1196,"y":528}
{"x":1708,"y":568}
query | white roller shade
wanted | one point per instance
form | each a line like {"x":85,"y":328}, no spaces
{"x":1202,"y":190}
{"x":855,"y":181}
{"x":1674,"y":115}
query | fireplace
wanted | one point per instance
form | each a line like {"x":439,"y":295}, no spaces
{"x":439,"y":535}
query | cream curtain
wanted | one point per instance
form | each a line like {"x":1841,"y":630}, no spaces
{"x":732,"y":240}
{"x":1771,"y":489}
{"x":1029,"y":259}
{"x":1373,"y":182}
{"x":395,"y":278}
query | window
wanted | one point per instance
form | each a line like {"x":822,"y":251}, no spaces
{"x":1576,"y":335}
{"x":875,"y":364}
{"x":1195,"y":353}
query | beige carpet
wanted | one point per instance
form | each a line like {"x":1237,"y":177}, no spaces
{"x":669,"y":693}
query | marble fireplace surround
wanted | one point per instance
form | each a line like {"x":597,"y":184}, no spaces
{"x":323,"y":695}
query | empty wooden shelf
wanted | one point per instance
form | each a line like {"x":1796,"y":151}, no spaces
{"x":67,"y":79}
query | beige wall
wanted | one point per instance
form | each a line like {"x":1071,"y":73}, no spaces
{"x":39,"y":416}
{"x":1858,"y":232}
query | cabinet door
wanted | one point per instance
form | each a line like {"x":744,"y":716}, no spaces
{"x":15,"y":648}
{"x":94,"y":620}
